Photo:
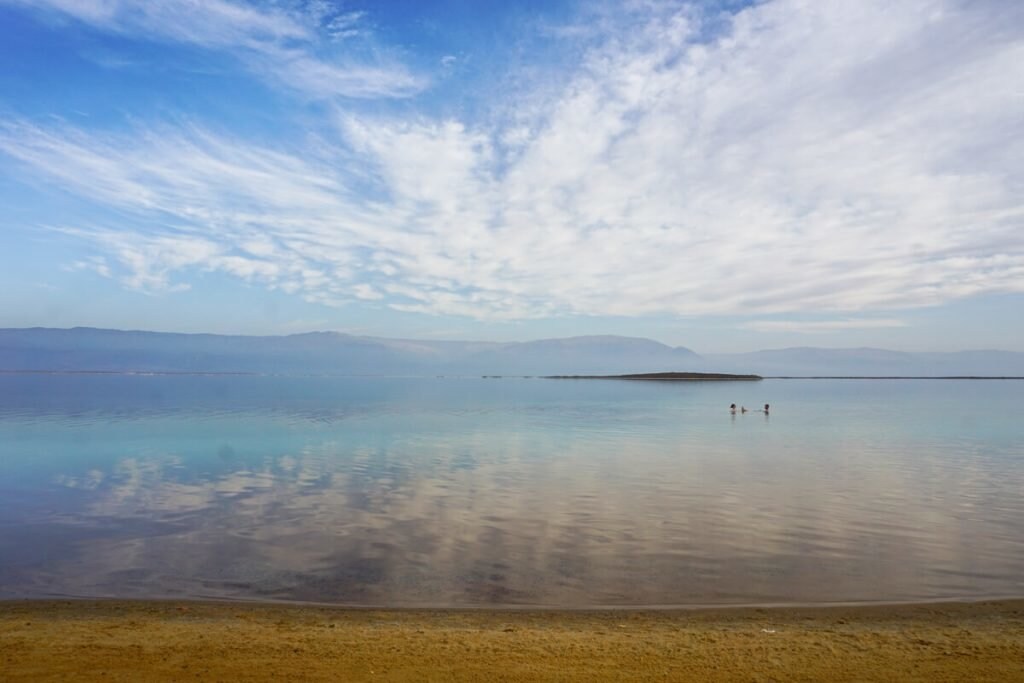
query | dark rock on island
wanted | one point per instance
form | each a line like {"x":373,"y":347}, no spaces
{"x":670,"y":377}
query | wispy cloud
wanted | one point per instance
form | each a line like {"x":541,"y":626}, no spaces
{"x":823,"y":325}
{"x":829,"y":157}
{"x":345,"y":25}
{"x":284,"y":43}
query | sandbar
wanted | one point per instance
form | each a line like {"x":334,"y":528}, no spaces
{"x":112,"y":640}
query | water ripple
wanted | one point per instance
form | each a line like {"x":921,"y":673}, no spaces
{"x":504,"y":492}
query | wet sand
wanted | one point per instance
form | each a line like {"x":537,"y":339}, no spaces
{"x":130,"y":641}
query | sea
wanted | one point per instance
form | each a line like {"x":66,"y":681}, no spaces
{"x":510,"y":492}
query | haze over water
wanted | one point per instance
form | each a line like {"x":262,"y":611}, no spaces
{"x":509,"y":492}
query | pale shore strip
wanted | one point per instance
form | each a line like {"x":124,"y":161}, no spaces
{"x":88,"y":640}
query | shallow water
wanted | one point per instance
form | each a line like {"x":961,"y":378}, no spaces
{"x":510,"y":491}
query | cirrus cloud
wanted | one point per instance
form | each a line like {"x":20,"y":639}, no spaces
{"x":826,"y":157}
{"x":823,"y":325}
{"x":282,"y":43}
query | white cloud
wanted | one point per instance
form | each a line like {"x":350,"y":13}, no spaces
{"x":366,"y":292}
{"x":346,"y":25}
{"x":827,"y":157}
{"x":281,"y":44}
{"x":823,"y":325}
{"x":299,"y":70}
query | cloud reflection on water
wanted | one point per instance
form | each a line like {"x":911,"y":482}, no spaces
{"x":478,"y":517}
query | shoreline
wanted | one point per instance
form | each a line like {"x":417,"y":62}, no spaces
{"x":109,"y":639}
{"x":681,"y":608}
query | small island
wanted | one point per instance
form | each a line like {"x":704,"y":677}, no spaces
{"x":670,"y":377}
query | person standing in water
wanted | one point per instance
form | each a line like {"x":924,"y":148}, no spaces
{"x":732,"y":408}
{"x":765,"y":408}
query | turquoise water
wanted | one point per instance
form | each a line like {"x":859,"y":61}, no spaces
{"x":562,"y":493}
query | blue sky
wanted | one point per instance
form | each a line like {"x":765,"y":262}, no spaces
{"x":721,"y":175}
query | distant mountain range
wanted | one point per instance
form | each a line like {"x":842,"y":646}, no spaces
{"x":868,"y":362}
{"x":334,"y":353}
{"x":327,"y":353}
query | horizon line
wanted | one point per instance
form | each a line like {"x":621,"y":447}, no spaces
{"x":498,"y":343}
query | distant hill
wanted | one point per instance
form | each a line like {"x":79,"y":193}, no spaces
{"x":335,"y":353}
{"x":327,"y":353}
{"x":810,"y":361}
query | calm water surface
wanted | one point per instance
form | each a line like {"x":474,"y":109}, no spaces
{"x":511,"y":491}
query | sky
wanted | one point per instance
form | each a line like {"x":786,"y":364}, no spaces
{"x":721,"y":175}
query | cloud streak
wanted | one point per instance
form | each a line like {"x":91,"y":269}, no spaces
{"x":284,"y":45}
{"x":823,"y":325}
{"x":830,"y":158}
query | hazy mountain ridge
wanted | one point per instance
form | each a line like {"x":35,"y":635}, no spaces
{"x":336,"y":353}
{"x":814,"y":362}
{"x":324,"y":353}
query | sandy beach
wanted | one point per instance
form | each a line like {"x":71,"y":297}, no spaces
{"x":162,"y":640}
